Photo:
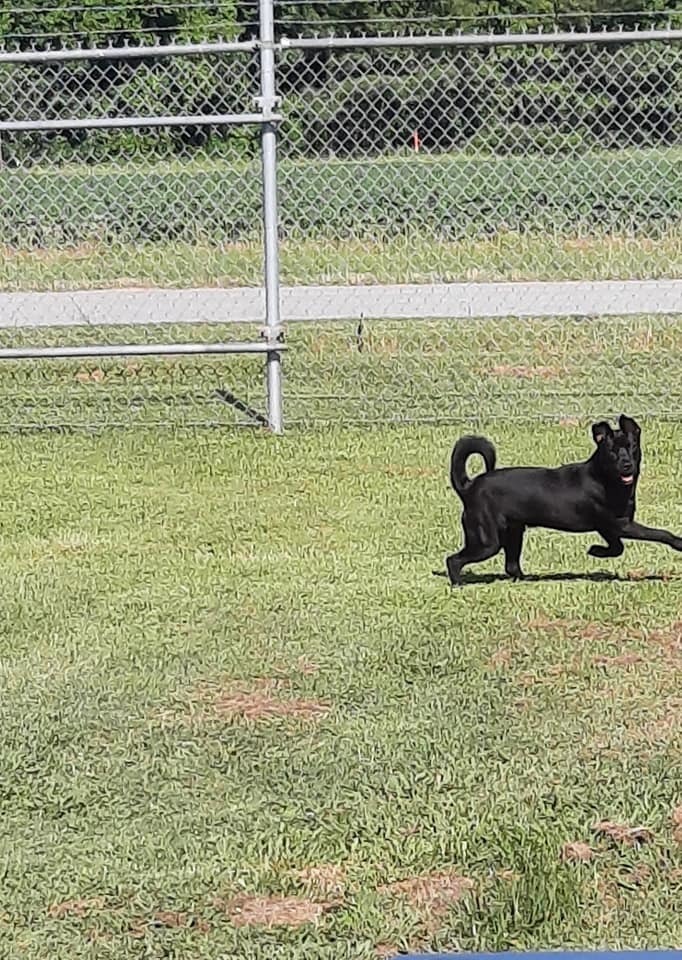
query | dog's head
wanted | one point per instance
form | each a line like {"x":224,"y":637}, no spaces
{"x":619,"y":453}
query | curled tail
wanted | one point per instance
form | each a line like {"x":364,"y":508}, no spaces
{"x":461,"y":452}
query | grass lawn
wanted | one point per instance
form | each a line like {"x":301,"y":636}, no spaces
{"x":242,"y":718}
{"x":413,"y":258}
{"x":397,"y":371}
{"x":392,"y":219}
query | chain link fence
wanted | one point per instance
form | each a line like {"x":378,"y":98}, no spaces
{"x":473,"y":228}
{"x":524,"y":187}
{"x":128,"y":236}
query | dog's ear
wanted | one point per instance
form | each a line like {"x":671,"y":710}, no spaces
{"x":601,"y":430}
{"x":628,"y":425}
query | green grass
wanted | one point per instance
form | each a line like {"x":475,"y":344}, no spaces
{"x":548,"y":369}
{"x":413,"y":258}
{"x":145,"y":571}
{"x":391,"y":219}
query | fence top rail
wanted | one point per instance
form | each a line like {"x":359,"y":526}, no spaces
{"x":127,"y":52}
{"x":461,"y":39}
{"x":458,"y":39}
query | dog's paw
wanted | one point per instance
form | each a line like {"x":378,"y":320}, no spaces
{"x":596,"y":550}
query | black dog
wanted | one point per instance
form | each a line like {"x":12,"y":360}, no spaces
{"x":598,"y":494}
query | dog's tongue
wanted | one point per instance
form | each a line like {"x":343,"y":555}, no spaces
{"x":627,"y":480}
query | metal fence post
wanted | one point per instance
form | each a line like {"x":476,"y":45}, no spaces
{"x":268,"y":105}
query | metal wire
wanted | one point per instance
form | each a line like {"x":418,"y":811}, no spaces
{"x":472,"y":226}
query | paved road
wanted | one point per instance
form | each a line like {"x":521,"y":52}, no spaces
{"x":448,"y":300}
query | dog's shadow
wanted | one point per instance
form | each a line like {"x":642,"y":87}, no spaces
{"x":595,"y":577}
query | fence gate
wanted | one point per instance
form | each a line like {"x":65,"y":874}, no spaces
{"x":139,"y":220}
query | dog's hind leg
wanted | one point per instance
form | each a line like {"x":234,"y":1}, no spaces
{"x":480,"y":543}
{"x":614,"y":546}
{"x":512,"y":543}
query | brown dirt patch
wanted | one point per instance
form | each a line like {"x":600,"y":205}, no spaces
{"x":677,"y":824}
{"x":75,"y":908}
{"x":276,"y":911}
{"x":620,"y":660}
{"x":576,"y":852}
{"x":262,"y":699}
{"x":433,"y":893}
{"x":385,"y":951}
{"x":622,"y":834}
{"x":609,"y":896}
{"x":595,"y":631}
{"x":640,"y":574}
{"x":639,"y":876}
{"x":669,"y":638}
{"x":578,"y":243}
{"x":90,"y":376}
{"x":327,"y":879}
{"x":387,"y":346}
{"x":168,"y":920}
{"x":501,"y":658}
{"x":523,"y":372}
{"x":642,"y":342}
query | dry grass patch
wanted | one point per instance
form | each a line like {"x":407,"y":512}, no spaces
{"x":431,"y":893}
{"x":619,"y":660}
{"x":275,"y":911}
{"x":620,"y":833}
{"x":261,"y":699}
{"x":639,"y":876}
{"x":326,"y":880}
{"x":385,"y":951}
{"x":577,"y":852}
{"x":668,"y":638}
{"x":500,"y":658}
{"x":75,"y":908}
{"x":524,"y":372}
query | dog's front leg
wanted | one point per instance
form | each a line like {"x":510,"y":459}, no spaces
{"x":614,"y":546}
{"x":632,"y":530}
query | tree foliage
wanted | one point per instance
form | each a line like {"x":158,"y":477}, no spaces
{"x":348,"y":104}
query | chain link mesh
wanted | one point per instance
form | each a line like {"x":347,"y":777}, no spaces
{"x":415,"y":165}
{"x":470,"y":164}
{"x":156,"y":220}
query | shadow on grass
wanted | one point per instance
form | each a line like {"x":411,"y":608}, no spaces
{"x":470,"y":579}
